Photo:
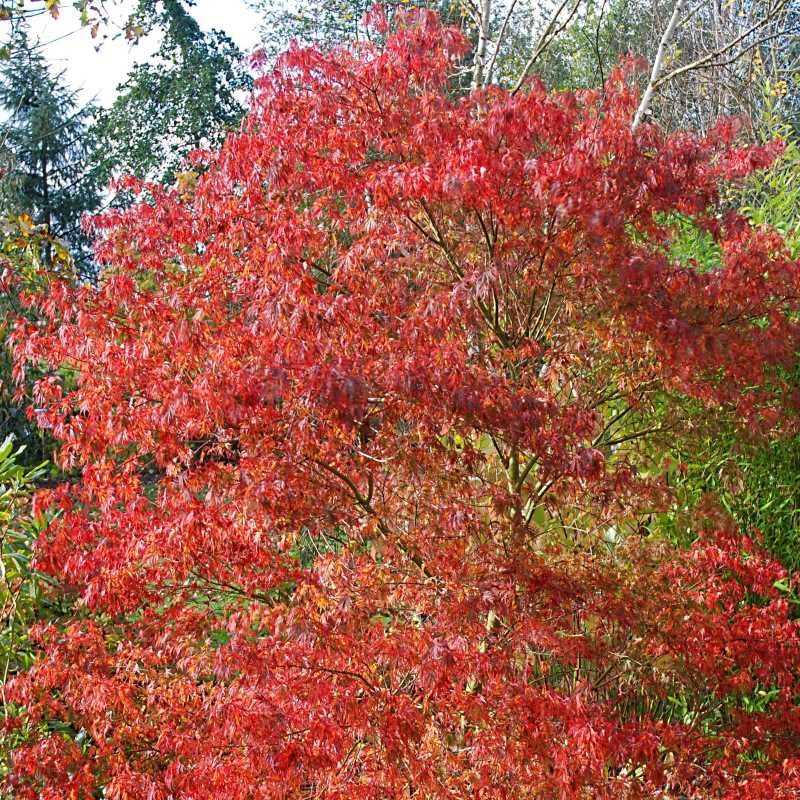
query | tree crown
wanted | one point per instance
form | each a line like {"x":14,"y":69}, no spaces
{"x":368,"y":417}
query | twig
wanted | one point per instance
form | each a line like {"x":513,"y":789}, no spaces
{"x":487,"y":78}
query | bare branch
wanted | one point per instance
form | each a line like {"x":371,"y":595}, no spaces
{"x":490,"y":68}
{"x":710,"y":59}
{"x":483,"y":36}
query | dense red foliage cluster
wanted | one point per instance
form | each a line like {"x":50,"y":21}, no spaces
{"x":366,"y":418}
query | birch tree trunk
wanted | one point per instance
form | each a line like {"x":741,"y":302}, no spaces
{"x":484,"y":20}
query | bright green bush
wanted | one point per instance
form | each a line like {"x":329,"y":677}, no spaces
{"x":758,"y":486}
{"x":20,"y":585}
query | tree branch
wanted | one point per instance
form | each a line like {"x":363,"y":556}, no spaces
{"x":658,"y":79}
{"x":658,"y":64}
{"x":487,"y":79}
{"x":708,"y":58}
{"x":550,"y":32}
{"x":483,"y":36}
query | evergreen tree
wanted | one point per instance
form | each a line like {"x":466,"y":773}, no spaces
{"x":188,"y":96}
{"x":48,"y":181}
{"x":45,"y":146}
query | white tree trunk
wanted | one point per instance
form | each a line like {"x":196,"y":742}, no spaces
{"x":658,"y":65}
{"x":483,"y":37}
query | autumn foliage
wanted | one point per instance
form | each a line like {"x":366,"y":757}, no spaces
{"x":368,"y":415}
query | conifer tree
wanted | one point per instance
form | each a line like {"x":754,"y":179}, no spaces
{"x":45,"y":146}
{"x":48,"y":181}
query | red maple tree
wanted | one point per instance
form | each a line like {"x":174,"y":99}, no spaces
{"x":367,"y":413}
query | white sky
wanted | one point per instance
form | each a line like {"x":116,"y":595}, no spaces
{"x":97,"y":71}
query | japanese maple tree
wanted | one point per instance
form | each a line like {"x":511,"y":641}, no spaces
{"x":367,"y":413}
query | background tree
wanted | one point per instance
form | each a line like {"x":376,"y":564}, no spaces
{"x":717,"y":59}
{"x":46,"y":146}
{"x":589,"y":47}
{"x":725,"y":52}
{"x":342,"y":23}
{"x":188,"y":96}
{"x":48,"y":183}
{"x":22,"y":271}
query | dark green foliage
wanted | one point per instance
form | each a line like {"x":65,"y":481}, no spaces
{"x":20,"y":585}
{"x":187,"y":97}
{"x":48,"y":183}
{"x":27,"y":596}
{"x":45,"y":147}
{"x":21,"y":252}
{"x":758,"y":486}
{"x":768,"y":498}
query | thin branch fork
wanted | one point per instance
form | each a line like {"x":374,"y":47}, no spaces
{"x":739,"y":54}
{"x":550,"y":32}
{"x":487,"y":78}
{"x":708,"y":59}
{"x":364,"y":502}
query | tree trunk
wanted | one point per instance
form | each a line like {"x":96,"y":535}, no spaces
{"x":480,"y":51}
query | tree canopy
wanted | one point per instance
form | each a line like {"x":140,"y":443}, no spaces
{"x":189,"y":95}
{"x":367,"y":419}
